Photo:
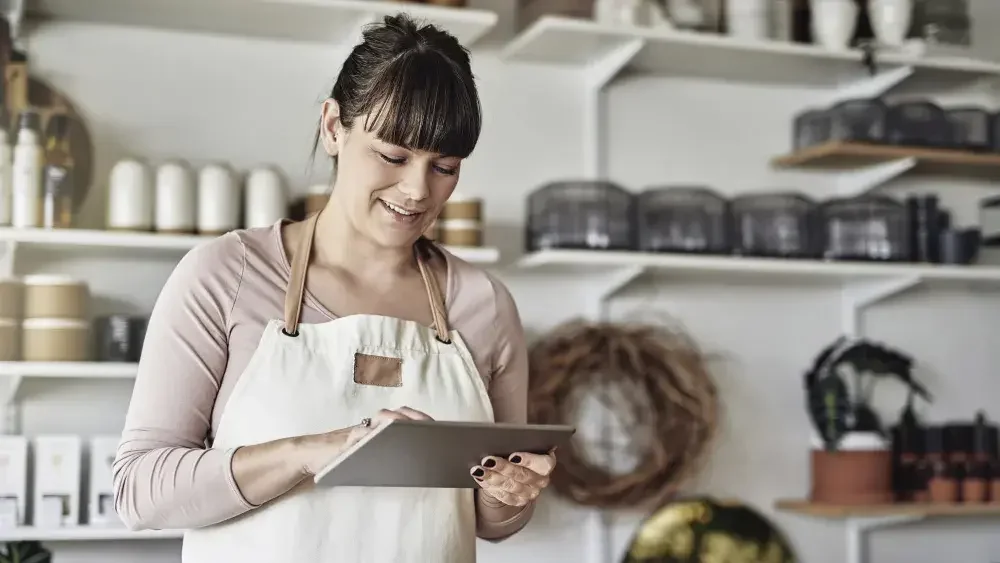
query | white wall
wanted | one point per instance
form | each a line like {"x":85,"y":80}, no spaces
{"x":162,"y":95}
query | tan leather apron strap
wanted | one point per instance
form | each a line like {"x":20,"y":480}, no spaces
{"x":435,"y":297}
{"x":297,"y":282}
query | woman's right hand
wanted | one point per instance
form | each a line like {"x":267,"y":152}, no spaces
{"x":321,"y":449}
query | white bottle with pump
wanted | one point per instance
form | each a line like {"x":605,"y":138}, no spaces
{"x":27,"y":172}
{"x":6,"y":187}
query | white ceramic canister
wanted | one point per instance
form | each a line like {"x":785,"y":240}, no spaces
{"x":176,"y":199}
{"x":833,"y":22}
{"x":130,"y":196}
{"x":890,"y":20}
{"x":266,"y":201}
{"x":749,"y":19}
{"x":219,"y":201}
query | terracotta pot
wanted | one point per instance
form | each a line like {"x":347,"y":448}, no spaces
{"x":858,"y":472}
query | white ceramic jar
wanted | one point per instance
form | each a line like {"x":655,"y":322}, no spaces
{"x":890,"y":20}
{"x":219,"y":201}
{"x":176,"y":199}
{"x":130,"y":196}
{"x":833,"y":22}
{"x":265,"y":199}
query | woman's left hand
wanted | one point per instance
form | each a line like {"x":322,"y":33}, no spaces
{"x":517,"y":480}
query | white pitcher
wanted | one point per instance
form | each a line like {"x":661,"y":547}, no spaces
{"x":833,"y":22}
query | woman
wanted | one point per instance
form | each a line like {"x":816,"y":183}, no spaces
{"x":267,"y":346}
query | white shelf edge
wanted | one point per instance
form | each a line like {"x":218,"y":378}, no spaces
{"x":84,"y":533}
{"x":297,"y":20}
{"x":754,"y":266}
{"x":516,"y":48}
{"x":92,"y":238}
{"x":83,"y":370}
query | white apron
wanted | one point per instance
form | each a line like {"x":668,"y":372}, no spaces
{"x":307,"y":379}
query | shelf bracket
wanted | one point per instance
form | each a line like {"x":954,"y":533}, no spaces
{"x":858,"y":182}
{"x":7,"y":251}
{"x":9,"y":386}
{"x":871,"y":86}
{"x":609,"y":285}
{"x":857,"y":527}
{"x":857,"y":296}
{"x":597,"y":76}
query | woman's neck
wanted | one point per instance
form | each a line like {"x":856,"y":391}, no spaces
{"x":339,"y":244}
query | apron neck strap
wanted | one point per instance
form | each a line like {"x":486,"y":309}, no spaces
{"x":297,"y":284}
{"x":434,"y":294}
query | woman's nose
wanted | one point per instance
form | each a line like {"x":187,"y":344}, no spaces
{"x":415,"y":185}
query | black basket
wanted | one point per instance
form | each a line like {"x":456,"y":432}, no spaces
{"x":810,"y":128}
{"x":778,"y":225}
{"x":972,"y":128}
{"x":859,"y":121}
{"x":919,"y":124}
{"x":683,"y":219}
{"x":592,"y":215}
{"x":866,"y":227}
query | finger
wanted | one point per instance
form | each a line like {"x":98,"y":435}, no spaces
{"x":508,"y":469}
{"x":385,"y":415}
{"x":494,"y":480}
{"x":505,"y":497}
{"x":540,"y":464}
{"x":414,"y":413}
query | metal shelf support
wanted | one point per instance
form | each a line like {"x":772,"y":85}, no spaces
{"x":607,"y":286}
{"x":596,"y":77}
{"x":858,"y":527}
{"x":863,"y":180}
{"x":857,"y":296}
{"x":870,"y":86}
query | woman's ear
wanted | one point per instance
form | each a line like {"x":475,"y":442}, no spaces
{"x":329,"y":127}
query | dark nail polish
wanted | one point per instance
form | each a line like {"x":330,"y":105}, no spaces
{"x":489,"y":462}
{"x":515,"y":459}
{"x":478,"y":472}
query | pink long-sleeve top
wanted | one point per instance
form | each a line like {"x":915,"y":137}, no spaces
{"x":202,"y":332}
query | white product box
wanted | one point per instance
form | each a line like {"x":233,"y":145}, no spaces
{"x":101,"y":501}
{"x":58,"y":460}
{"x":13,"y":480}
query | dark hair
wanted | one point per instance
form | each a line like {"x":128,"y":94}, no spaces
{"x":416,"y":86}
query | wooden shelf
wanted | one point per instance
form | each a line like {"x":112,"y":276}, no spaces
{"x":84,"y":533}
{"x":327,"y":22}
{"x":161,"y":243}
{"x":929,"y":510}
{"x":729,"y":268}
{"x":838,"y":155}
{"x":579,"y":43}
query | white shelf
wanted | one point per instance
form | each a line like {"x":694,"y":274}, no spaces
{"x":583,"y":44}
{"x":328,"y":22}
{"x":84,"y":533}
{"x":82,"y":370}
{"x":121,"y":240}
{"x":726,"y":268}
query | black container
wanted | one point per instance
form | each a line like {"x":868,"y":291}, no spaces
{"x":683,"y":219}
{"x":922,"y":124}
{"x":861,"y":121}
{"x":582,"y":215}
{"x":925,"y":228}
{"x":778,"y":225}
{"x":811,"y":128}
{"x":119,"y":338}
{"x":972,"y":128}
{"x":866,"y":228}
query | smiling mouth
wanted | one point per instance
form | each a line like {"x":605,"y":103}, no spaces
{"x":400,"y":214}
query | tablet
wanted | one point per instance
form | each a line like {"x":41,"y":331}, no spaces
{"x":435,"y":454}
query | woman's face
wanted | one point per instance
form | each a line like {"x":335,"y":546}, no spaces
{"x":390,"y":193}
